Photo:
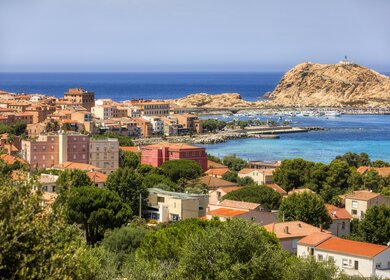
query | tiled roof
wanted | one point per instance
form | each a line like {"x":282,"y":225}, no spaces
{"x":226,"y":212}
{"x":133,"y":149}
{"x":350,"y":247}
{"x":239,"y":204}
{"x":362,"y":169}
{"x":217,"y":171}
{"x":229,"y":189}
{"x":213,"y":164}
{"x":292,"y":229}
{"x":315,"y":238}
{"x":97,"y":177}
{"x":246,"y":170}
{"x":361,"y":195}
{"x":76,"y":165}
{"x":382,"y":171}
{"x":214,"y":183}
{"x":337,"y":213}
{"x":11,"y":159}
{"x":277,"y":188}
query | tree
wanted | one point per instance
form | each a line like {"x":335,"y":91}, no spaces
{"x":306,"y":207}
{"x":96,"y":210}
{"x":380,"y":163}
{"x":181,"y":169}
{"x":52,"y":126}
{"x":234,"y":163}
{"x":230,"y":176}
{"x":38,"y":244}
{"x":128,"y":185}
{"x":213,"y":125}
{"x":73,"y":178}
{"x":375,"y":226}
{"x":245,"y":181}
{"x":159,"y":181}
{"x":129,"y":159}
{"x":355,"y":160}
{"x":338,"y":174}
{"x":293,"y":173}
{"x":373,"y":181}
{"x":386,"y":192}
{"x":214,"y":158}
{"x":265,"y":196}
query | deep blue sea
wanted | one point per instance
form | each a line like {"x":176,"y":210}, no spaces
{"x":125,"y":86}
{"x":369,"y":134}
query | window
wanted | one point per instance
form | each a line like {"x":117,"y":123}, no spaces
{"x":43,"y":157}
{"x":354,"y":212}
{"x":52,"y":157}
{"x":320,"y":257}
{"x":44,"y":147}
{"x":83,"y":156}
{"x":35,"y":157}
{"x":378,"y":265}
{"x":345,"y":262}
{"x":354,"y":204}
{"x":294,"y":243}
{"x":74,"y":156}
{"x":356,"y":266}
{"x":343,"y":225}
{"x":160,"y":199}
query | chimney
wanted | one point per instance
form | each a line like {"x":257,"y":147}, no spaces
{"x":321,"y":229}
{"x":299,"y":225}
{"x":285,"y":229}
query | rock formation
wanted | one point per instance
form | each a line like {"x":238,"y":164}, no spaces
{"x":223,"y":100}
{"x":342,"y":84}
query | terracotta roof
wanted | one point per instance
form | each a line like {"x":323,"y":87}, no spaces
{"x":362,"y":169}
{"x":229,"y":189}
{"x":226,"y":212}
{"x":214,"y":183}
{"x":213,"y":164}
{"x":246,"y":170}
{"x":361,"y":195}
{"x":11,"y":159}
{"x":382,"y":171}
{"x":265,"y":171}
{"x":97,"y":177}
{"x":337,"y":213}
{"x":239,"y":204}
{"x":292,"y":229}
{"x":299,"y":191}
{"x":76,"y":165}
{"x":350,"y":247}
{"x":217,"y":171}
{"x":277,"y":188}
{"x":133,"y":149}
{"x":315,"y":238}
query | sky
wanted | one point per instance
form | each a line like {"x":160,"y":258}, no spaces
{"x":190,"y":35}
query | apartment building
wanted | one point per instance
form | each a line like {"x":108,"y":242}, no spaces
{"x":157,"y":154}
{"x":81,"y":97}
{"x":103,"y":112}
{"x":104,"y":154}
{"x":152,"y":108}
{"x":189,"y":122}
{"x":157,"y":124}
{"x":53,"y":149}
{"x":165,"y":206}
{"x":341,"y":220}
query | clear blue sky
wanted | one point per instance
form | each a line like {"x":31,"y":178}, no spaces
{"x":191,"y":35}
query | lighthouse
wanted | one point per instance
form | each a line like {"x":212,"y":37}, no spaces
{"x":345,"y":61}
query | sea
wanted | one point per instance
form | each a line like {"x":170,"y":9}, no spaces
{"x":347,"y":133}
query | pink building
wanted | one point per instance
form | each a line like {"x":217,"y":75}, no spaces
{"x":53,"y":149}
{"x":157,"y":154}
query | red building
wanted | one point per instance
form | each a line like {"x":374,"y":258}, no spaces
{"x":157,"y":154}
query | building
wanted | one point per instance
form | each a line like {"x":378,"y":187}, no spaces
{"x":189,"y":122}
{"x":276,"y":188}
{"x":382,"y":171}
{"x":227,"y":209}
{"x":157,"y":154}
{"x":216,"y":195}
{"x":157,"y":124}
{"x":48,"y":182}
{"x":97,"y":178}
{"x":264,"y":164}
{"x":216,"y":169}
{"x":260,"y":218}
{"x":165,"y":206}
{"x":214,"y":183}
{"x":81,"y":97}
{"x":103,"y":112}
{"x":357,"y":202}
{"x":352,"y":257}
{"x":289,"y":233}
{"x":152,"y":108}
{"x":146,"y":128}
{"x":259,"y":176}
{"x":56,"y":148}
{"x":341,"y":220}
{"x":104,"y":154}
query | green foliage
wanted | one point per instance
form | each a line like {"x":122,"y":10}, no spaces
{"x":386,"y":192}
{"x":128,"y":185}
{"x":374,"y":227}
{"x":355,"y":160}
{"x":181,"y":169}
{"x":245,"y":181}
{"x":38,"y":244}
{"x":130,"y":160}
{"x":380,"y":163}
{"x":96,"y":210}
{"x":123,"y":140}
{"x":52,"y":126}
{"x":74,"y":178}
{"x":159,"y":181}
{"x":267,"y":197}
{"x":214,"y":158}
{"x":17,"y":128}
{"x":212,"y":125}
{"x":373,"y":181}
{"x":230,"y":176}
{"x":306,"y":207}
{"x":292,"y":173}
{"x":234,"y":163}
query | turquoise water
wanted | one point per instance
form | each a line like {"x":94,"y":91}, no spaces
{"x":348,"y":133}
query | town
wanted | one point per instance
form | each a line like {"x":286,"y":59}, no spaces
{"x":76,"y":151}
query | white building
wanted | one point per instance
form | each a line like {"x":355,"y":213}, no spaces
{"x":353,"y":257}
{"x":103,"y":112}
{"x":157,"y":124}
{"x":259,"y":176}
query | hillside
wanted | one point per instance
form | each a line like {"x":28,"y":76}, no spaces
{"x":313,"y":84}
{"x":204,"y":100}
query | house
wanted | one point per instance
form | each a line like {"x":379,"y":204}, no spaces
{"x":225,"y":213}
{"x":214,"y":183}
{"x":382,"y":171}
{"x":157,"y":154}
{"x":357,"y":202}
{"x":276,"y":188}
{"x":48,"y":182}
{"x":216,"y":169}
{"x":81,"y":97}
{"x":97,"y":178}
{"x":165,"y":206}
{"x":216,"y":195}
{"x":341,"y":220}
{"x":352,"y":257}
{"x":264,"y":164}
{"x":289,"y":233}
{"x":259,"y":176}
{"x":189,"y":122}
{"x":230,"y":208}
{"x":260,"y":218}
{"x":11,"y":159}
